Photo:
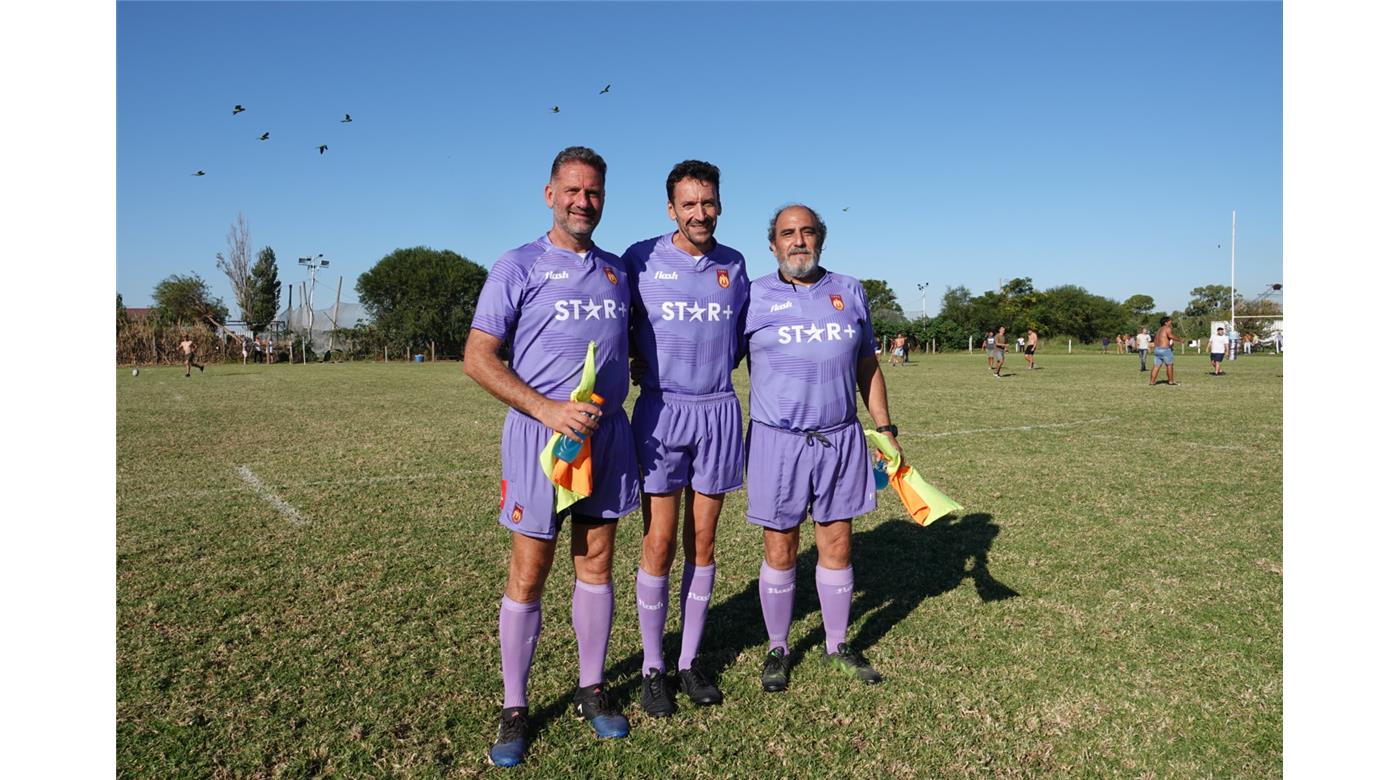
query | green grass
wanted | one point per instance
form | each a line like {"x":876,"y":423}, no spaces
{"x":1109,"y":604}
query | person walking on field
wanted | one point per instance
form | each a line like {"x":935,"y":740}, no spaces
{"x":990,"y":344}
{"x":999,"y":350}
{"x":897,"y":351}
{"x":1031,"y":341}
{"x":1218,"y":344}
{"x":187,"y":347}
{"x":1144,"y":343}
{"x":1162,"y":352}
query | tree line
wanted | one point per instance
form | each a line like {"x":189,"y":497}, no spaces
{"x":1066,"y":311}
{"x":422,"y":300}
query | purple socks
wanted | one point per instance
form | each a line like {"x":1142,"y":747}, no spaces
{"x":652,"y":595}
{"x":519,"y":630}
{"x":777,"y":591}
{"x":834,"y":590}
{"x":696,"y":585}
{"x":593,"y":614}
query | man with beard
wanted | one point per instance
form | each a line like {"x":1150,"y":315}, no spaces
{"x":688,"y":298}
{"x":811,"y":348}
{"x":547,"y":300}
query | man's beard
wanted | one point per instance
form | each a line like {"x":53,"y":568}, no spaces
{"x":798,"y":265}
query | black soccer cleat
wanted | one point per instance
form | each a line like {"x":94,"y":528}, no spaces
{"x":775,"y":670}
{"x":852,"y":664}
{"x":657,"y":699}
{"x":592,"y":704}
{"x":698,"y":687}
{"x":509,"y":748}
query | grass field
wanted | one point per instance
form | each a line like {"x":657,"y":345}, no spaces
{"x":309,"y":572}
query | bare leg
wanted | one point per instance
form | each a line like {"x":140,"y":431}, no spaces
{"x":660,"y":513}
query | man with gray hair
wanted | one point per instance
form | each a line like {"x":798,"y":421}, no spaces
{"x":811,"y":348}
{"x":548,"y":300}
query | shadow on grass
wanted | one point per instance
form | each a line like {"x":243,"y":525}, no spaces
{"x":898,"y":564}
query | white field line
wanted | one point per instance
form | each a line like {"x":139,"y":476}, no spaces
{"x":941,"y":434}
{"x":1152,"y":442}
{"x":144,"y":497}
{"x":288,"y":511}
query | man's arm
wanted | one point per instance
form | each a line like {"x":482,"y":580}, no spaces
{"x":871,"y":382}
{"x":487,"y":370}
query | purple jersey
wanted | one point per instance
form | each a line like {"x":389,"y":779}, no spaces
{"x":547,"y":303}
{"x":804,"y":344}
{"x":687,"y":315}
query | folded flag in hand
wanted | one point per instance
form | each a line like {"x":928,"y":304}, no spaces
{"x":924,"y":502}
{"x":573,"y":480}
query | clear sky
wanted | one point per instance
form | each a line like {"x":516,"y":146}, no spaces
{"x":1099,"y":144}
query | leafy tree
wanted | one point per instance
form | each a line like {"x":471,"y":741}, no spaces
{"x":267,"y":291}
{"x":881,"y":300}
{"x":1140,"y":305}
{"x":419,"y":295}
{"x":123,"y":319}
{"x":235,"y":267}
{"x":1209,"y":300}
{"x":1070,"y":310}
{"x":1020,"y":300}
{"x":186,"y":299}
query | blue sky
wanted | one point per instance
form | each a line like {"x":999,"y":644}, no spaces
{"x":1098,"y":144}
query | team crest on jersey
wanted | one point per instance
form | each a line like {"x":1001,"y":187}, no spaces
{"x":723,"y":276}
{"x":612,"y":277}
{"x":517,"y":513}
{"x":837,"y":303}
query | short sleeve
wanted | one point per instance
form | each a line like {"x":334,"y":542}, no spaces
{"x":498,"y":306}
{"x":867,"y":329}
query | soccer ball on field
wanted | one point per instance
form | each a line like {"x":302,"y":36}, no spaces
{"x":135,"y":371}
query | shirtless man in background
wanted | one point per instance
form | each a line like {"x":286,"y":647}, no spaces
{"x":1162,"y":352}
{"x":187,"y":349}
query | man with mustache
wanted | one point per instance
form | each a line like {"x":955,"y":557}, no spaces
{"x":547,"y":300}
{"x":811,"y":349}
{"x":688,"y":298}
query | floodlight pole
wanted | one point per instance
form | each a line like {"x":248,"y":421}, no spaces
{"x":313,"y":264}
{"x":1232,"y":270}
{"x":923,"y":297}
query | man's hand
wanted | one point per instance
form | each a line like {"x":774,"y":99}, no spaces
{"x":890,"y":435}
{"x":569,"y":416}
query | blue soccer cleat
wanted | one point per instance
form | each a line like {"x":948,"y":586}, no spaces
{"x":509,"y":748}
{"x":591,"y":704}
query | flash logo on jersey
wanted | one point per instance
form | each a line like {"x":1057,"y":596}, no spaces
{"x":612,"y":277}
{"x":837,"y":303}
{"x":723,"y":276}
{"x":503,"y":495}
{"x":517,"y":513}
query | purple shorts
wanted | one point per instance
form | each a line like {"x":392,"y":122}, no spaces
{"x":527,"y":495}
{"x":789,"y":472}
{"x":695,"y":440}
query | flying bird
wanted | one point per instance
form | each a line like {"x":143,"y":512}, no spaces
{"x":847,"y":208}
{"x":605,"y":89}
{"x":555,"y":109}
{"x":263,"y":137}
{"x":238,"y":110}
{"x":346,"y":119}
{"x":197,"y":173}
{"x":323,"y":148}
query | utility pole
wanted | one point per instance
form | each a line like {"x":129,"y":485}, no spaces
{"x":923,"y":297}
